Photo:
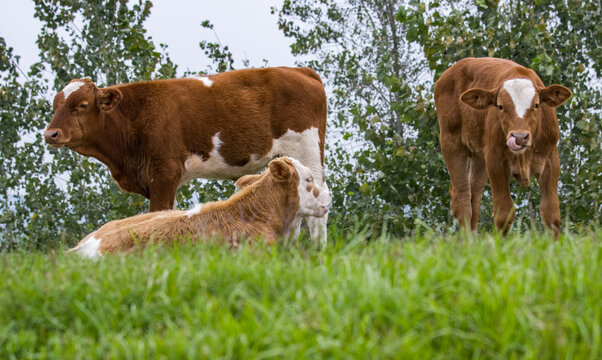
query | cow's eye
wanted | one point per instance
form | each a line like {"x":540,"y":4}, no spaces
{"x":500,"y":107}
{"x":83,"y":105}
{"x":309,"y":179}
{"x":537,"y":106}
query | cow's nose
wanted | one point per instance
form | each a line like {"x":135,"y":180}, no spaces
{"x":51,"y":135}
{"x":521,"y":138}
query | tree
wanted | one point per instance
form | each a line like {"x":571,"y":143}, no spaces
{"x":380,"y":109}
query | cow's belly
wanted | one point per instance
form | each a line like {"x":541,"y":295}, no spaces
{"x":215,"y":167}
{"x":304,"y":146}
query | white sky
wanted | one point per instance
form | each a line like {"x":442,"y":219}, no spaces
{"x":247,"y":27}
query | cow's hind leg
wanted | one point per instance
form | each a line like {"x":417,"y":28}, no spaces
{"x":458,"y":165}
{"x":478,"y":179}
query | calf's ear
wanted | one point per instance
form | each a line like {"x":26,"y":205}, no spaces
{"x":280,"y":170}
{"x":247,"y":180}
{"x":478,"y":99}
{"x":107,"y":99}
{"x":555,"y":95}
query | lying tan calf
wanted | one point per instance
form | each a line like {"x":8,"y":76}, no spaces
{"x":269,"y":205}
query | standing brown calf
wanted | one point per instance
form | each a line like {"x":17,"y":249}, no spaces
{"x":498,"y":121}
{"x":267,"y":206}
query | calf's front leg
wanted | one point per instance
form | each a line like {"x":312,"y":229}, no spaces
{"x":548,"y":185}
{"x":503,"y":206}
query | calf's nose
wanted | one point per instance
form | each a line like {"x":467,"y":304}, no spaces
{"x":521,"y":138}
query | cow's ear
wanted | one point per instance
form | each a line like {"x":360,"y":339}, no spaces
{"x":554,"y":95}
{"x":247,"y":180}
{"x":280,"y":170}
{"x":107,"y":99}
{"x":478,"y":98}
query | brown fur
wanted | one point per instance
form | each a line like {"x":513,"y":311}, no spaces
{"x":474,"y":135}
{"x":264,"y":208}
{"x":145,"y":131}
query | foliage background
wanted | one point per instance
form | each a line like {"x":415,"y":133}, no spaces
{"x":379,"y":59}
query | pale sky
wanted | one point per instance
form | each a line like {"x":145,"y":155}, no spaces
{"x":247,"y":27}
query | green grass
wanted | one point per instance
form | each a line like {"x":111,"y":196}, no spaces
{"x":422,"y":298}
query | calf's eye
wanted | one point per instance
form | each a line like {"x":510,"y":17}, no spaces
{"x":536,"y":106}
{"x":500,"y":107}
{"x":309,"y":179}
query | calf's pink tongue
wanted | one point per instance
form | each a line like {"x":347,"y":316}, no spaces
{"x":512,"y":144}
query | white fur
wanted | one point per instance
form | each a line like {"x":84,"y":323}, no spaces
{"x":208,"y":82}
{"x":89,"y":248}
{"x":309,"y":205}
{"x":71,"y":88}
{"x":522,"y":92}
{"x":195,"y":210}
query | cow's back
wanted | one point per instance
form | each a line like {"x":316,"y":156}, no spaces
{"x":241,"y":112}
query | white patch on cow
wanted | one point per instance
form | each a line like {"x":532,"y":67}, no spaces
{"x":522,"y":92}
{"x":89,"y":248}
{"x":195,"y":210}
{"x":71,"y":88}
{"x":208,"y":82}
{"x":304,"y":146}
{"x":309,"y":204}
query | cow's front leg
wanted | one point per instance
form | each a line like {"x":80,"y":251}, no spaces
{"x":503,"y":206}
{"x":548,"y":185}
{"x":162,"y":190}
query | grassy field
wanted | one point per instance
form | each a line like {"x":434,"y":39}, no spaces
{"x":422,"y":298}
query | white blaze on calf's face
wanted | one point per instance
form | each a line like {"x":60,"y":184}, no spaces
{"x":521,"y":92}
{"x":314,"y":199}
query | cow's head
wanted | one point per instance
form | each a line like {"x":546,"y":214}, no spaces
{"x":519,"y":107}
{"x":77,"y":112}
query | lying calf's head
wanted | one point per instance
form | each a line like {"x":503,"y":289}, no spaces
{"x":314,"y":198}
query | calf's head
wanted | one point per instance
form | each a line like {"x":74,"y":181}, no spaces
{"x":77,"y":112}
{"x":519,"y":107}
{"x":314,"y":198}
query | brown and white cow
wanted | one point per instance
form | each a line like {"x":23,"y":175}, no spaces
{"x":498,"y":121}
{"x":156,"y":135}
{"x":266,"y":207}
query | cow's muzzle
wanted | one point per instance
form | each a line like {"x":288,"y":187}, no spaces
{"x":54,"y":137}
{"x":518,"y":141}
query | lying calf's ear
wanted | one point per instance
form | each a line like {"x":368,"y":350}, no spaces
{"x":247,"y":180}
{"x":478,"y":99}
{"x":280,"y":170}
